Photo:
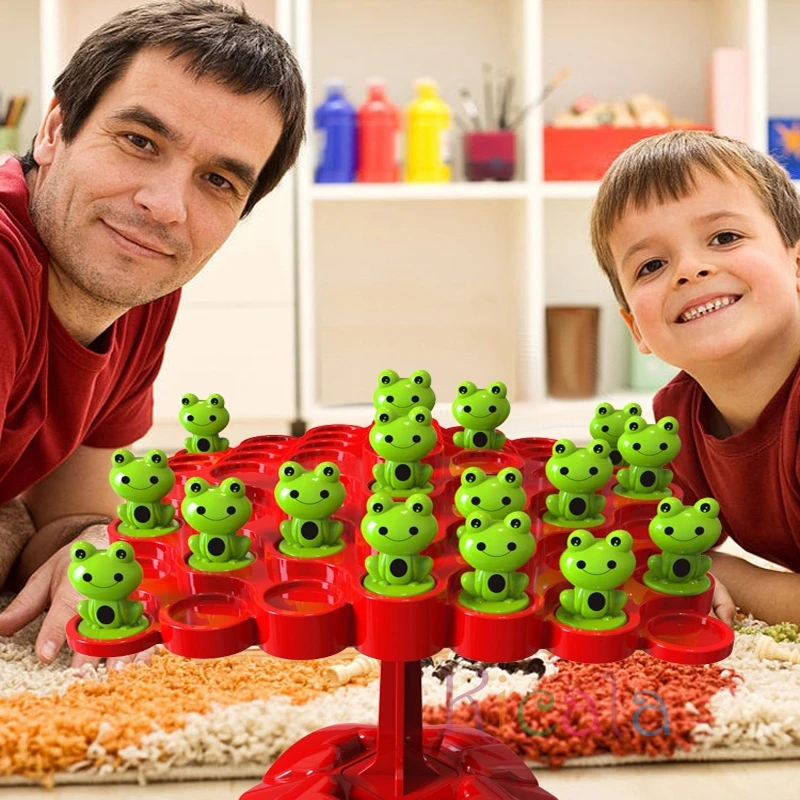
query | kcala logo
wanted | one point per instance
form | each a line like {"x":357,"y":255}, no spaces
{"x":574,"y":701}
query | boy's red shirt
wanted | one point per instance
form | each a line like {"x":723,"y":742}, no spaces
{"x":56,"y":394}
{"x":754,"y":475}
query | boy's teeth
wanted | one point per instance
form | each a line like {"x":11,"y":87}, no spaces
{"x":714,"y":305}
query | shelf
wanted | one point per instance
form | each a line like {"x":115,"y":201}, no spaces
{"x":570,"y":190}
{"x":324,"y":192}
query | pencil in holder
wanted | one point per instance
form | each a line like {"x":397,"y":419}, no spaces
{"x":490,"y":155}
{"x":9,"y":139}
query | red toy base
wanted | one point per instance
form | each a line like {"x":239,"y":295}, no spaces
{"x":459,"y":763}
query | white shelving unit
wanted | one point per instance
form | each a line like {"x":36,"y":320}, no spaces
{"x":451,"y":277}
{"x":481,"y":271}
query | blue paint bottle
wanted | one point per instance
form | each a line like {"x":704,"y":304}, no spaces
{"x":335,"y":124}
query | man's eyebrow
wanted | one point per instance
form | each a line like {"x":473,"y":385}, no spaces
{"x":243,"y":171}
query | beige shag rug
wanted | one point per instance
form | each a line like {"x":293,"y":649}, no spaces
{"x":176,"y":718}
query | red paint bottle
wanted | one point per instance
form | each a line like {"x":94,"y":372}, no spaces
{"x":378,"y":131}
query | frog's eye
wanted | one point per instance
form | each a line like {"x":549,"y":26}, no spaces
{"x":708,"y":506}
{"x":328,"y":472}
{"x":621,"y":540}
{"x":603,"y":409}
{"x":664,"y":508}
{"x":475,"y":523}
{"x":471,"y":475}
{"x":188,"y":399}
{"x":599,"y":449}
{"x":232,"y":486}
{"x":383,"y":418}
{"x":80,"y":551}
{"x":421,"y":378}
{"x":216,"y":400}
{"x":463,"y":389}
{"x":195,"y":487}
{"x":121,"y":456}
{"x":156,"y":458}
{"x":668,"y":424}
{"x":515,"y":523}
{"x":123,"y":553}
{"x":633,"y":424}
{"x":388,"y":377}
{"x":559,"y":449}
{"x":417,"y":508}
{"x":498,"y":389}
{"x":580,"y":540}
{"x":377,"y":508}
{"x":632,"y":410}
{"x":563,"y":447}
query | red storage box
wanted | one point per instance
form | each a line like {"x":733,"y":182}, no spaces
{"x":584,"y":154}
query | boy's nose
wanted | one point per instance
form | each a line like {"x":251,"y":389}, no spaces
{"x":700,"y":273}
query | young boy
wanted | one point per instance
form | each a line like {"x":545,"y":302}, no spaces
{"x":699,"y":236}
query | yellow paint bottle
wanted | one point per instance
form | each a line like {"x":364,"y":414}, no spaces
{"x":427,"y":136}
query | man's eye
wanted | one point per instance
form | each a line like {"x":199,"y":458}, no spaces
{"x":219,"y":181}
{"x":726,"y":237}
{"x":650,"y":267}
{"x":140,"y":142}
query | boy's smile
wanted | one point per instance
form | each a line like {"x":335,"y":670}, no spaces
{"x":707,"y":277}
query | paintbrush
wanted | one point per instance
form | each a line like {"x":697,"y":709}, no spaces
{"x":546,"y":92}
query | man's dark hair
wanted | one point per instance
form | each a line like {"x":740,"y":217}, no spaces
{"x":219,"y":42}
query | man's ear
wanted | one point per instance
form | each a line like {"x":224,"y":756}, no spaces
{"x":49,"y":135}
{"x":797,"y":264}
{"x":634,"y":329}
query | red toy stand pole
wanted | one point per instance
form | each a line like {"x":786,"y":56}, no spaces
{"x":398,"y":760}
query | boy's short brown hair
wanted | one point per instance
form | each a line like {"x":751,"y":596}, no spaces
{"x":661,"y":169}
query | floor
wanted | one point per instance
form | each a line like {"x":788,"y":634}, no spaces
{"x":776,"y":780}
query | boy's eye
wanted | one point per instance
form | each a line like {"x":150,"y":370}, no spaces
{"x":726,"y":237}
{"x":140,"y":142}
{"x":650,"y":267}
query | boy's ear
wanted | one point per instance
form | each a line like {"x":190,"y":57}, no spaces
{"x":634,"y":329}
{"x":49,"y":135}
{"x":797,"y":264}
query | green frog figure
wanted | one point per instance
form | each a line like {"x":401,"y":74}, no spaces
{"x":399,"y":532}
{"x":402,"y":440}
{"x":217,"y":513}
{"x":595,"y":568}
{"x":683,"y":533}
{"x":577,"y":473}
{"x":205,"y":420}
{"x":310,"y":498}
{"x":608,"y":424}
{"x":495,"y":550}
{"x":480,"y":411}
{"x":402,"y":394}
{"x":106,"y":578}
{"x":143,"y":483}
{"x":497,"y":495}
{"x":647,"y":449}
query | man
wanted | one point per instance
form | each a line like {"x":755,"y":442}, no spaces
{"x":167,"y":126}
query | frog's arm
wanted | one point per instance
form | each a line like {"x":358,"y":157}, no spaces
{"x":379,"y":473}
{"x":567,"y":599}
{"x":458,"y":439}
{"x":83,"y":609}
{"x":519,"y":582}
{"x":371,"y":563}
{"x":655,"y":566}
{"x":498,"y":440}
{"x":624,"y":478}
{"x":553,"y":505}
{"x":425,"y":472}
{"x":618,"y":600}
{"x":332,"y":531}
{"x":703,"y":565}
{"x":468,"y":583}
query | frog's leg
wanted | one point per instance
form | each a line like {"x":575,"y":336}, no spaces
{"x":618,"y":599}
{"x":241,"y":546}
{"x":468,"y":583}
{"x":497,"y":440}
{"x":704,"y":564}
{"x":122,"y":513}
{"x":379,"y":473}
{"x":188,"y":445}
{"x":518,"y":582}
{"x":223,"y":443}
{"x":553,"y":504}
{"x":422,"y":568}
{"x":425,"y":472}
{"x":194,"y":545}
{"x":666,"y":479}
{"x":332,"y":530}
{"x":458,"y":439}
{"x":83,"y":610}
{"x":654,"y":564}
{"x":567,"y":600}
{"x":596,"y":502}
{"x":371,"y":563}
{"x":163,"y":514}
{"x":624,"y":478}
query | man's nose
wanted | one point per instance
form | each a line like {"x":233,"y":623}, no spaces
{"x":165,"y":198}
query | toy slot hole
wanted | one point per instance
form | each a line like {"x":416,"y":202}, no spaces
{"x":303,"y":596}
{"x":310,"y":456}
{"x":231,"y":468}
{"x":277,"y":442}
{"x":211,"y":610}
{"x":490,"y":461}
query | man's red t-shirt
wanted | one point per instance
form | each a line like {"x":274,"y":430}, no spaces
{"x":56,"y":394}
{"x":754,"y":475}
